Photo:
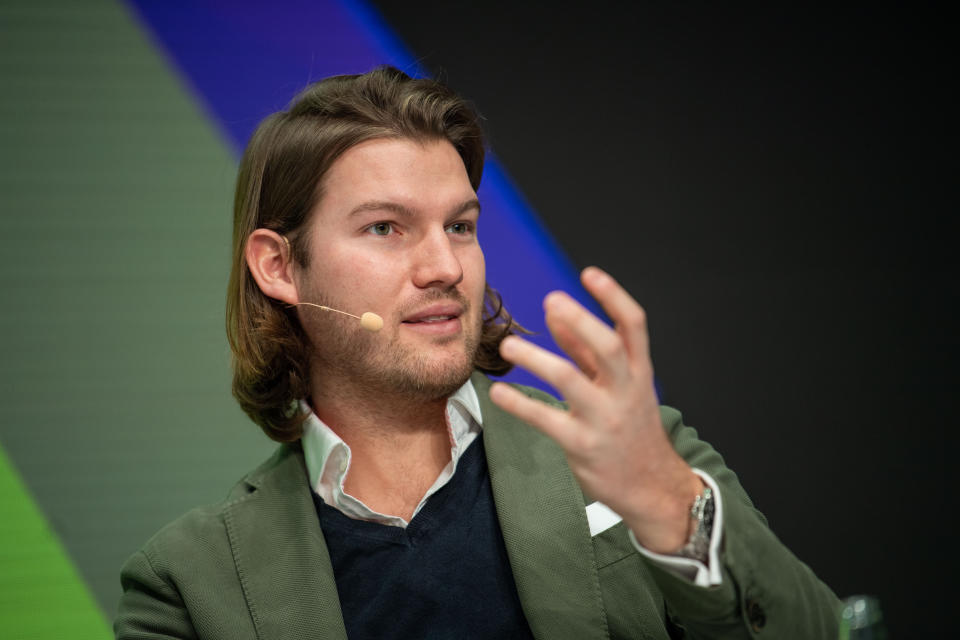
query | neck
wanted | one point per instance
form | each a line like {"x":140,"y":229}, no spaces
{"x":399,"y":445}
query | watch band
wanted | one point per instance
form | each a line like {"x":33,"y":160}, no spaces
{"x":702,"y":510}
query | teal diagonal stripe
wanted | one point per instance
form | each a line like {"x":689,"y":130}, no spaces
{"x":115,"y":195}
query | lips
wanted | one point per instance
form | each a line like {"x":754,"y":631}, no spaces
{"x":434,"y":314}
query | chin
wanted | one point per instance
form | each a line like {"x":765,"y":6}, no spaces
{"x":396,"y":367}
{"x":437,"y":380}
{"x":425,"y":377}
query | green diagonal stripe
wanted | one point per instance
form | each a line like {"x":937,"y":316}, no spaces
{"x":41,"y":595}
{"x":115,"y":194}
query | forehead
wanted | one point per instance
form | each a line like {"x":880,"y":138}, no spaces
{"x":418,"y":175}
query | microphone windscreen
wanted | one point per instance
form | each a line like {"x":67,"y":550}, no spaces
{"x":371,"y":321}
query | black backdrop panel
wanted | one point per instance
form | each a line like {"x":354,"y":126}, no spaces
{"x":772,"y":185}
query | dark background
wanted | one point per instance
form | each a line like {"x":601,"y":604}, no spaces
{"x":774,"y":185}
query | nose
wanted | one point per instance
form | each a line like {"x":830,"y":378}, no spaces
{"x":436,"y":263}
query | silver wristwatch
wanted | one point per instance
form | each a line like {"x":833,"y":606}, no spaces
{"x":698,"y":546}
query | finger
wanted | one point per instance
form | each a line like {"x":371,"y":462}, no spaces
{"x":551,"y":368}
{"x":555,"y":423}
{"x":628,"y":316}
{"x":573,"y":347}
{"x":608,"y":355}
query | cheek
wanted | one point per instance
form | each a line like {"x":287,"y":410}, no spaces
{"x":365,"y":278}
{"x":475,"y":271}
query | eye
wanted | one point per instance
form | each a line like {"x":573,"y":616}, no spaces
{"x":460,"y":228}
{"x":380,"y":228}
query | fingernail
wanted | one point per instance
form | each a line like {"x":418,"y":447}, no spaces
{"x":508,"y":347}
{"x":596,"y":275}
{"x":551,"y":300}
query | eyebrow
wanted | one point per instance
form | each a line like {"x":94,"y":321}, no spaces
{"x":399,"y":209}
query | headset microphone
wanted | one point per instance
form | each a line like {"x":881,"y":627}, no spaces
{"x":369,"y":320}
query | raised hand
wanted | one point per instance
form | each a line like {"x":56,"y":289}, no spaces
{"x":612,"y":434}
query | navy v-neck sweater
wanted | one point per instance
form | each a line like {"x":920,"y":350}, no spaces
{"x":445,"y":576}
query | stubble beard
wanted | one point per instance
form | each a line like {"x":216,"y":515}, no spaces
{"x":347,"y":355}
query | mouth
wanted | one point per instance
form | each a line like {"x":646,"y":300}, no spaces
{"x":438,"y":318}
{"x":430,"y":319}
{"x":435,"y":313}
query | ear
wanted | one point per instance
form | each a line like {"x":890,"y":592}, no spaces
{"x":269,"y":260}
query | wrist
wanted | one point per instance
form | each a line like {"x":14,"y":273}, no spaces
{"x":669,"y":527}
{"x":701,"y":515}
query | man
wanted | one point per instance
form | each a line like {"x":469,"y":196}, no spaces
{"x":412,"y":497}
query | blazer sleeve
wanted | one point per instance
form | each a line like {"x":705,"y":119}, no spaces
{"x":150,"y":608}
{"x":184,"y":584}
{"x":766,"y":591}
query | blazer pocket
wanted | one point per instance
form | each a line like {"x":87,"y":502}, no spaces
{"x":612,"y":545}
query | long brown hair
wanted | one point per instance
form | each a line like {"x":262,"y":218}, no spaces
{"x":279,"y":183}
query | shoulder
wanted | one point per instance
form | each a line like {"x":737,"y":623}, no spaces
{"x":202,"y":530}
{"x":186,"y":577}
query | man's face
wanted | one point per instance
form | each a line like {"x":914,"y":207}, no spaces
{"x":394,"y":233}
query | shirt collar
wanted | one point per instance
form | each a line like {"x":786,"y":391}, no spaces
{"x":466,"y":398}
{"x":321,"y":446}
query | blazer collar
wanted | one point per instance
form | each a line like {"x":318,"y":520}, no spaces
{"x":545,"y":530}
{"x":280,"y":554}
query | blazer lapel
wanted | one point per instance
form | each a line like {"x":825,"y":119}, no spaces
{"x":543,"y":519}
{"x":281,"y":556}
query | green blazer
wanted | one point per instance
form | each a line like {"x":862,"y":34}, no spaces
{"x":256,"y":565}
